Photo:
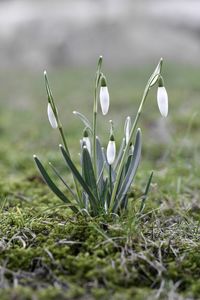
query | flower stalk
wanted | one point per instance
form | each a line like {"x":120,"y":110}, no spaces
{"x":58,"y":124}
{"x":149,"y":84}
{"x":94,"y":127}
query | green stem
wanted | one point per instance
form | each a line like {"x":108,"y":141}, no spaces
{"x":98,"y":74}
{"x":94,"y":133}
{"x":110,"y":178}
{"x":51,"y":101}
{"x":114,"y":192}
{"x":63,"y":138}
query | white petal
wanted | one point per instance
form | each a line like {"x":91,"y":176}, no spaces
{"x":51,"y":116}
{"x":86,"y":140}
{"x":127,"y":129}
{"x":111,"y":152}
{"x":162,"y":99}
{"x":104,"y":99}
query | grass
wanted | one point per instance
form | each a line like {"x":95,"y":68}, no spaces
{"x":46,"y":252}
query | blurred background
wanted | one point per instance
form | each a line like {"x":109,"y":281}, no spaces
{"x":47,"y":33}
{"x":66,"y":37}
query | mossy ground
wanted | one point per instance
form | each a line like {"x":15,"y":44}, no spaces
{"x":46,"y":252}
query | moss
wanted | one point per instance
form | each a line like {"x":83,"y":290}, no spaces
{"x":46,"y":252}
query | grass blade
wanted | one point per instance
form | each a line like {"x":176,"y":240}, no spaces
{"x":144,"y":196}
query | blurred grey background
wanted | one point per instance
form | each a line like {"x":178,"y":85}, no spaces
{"x":45,"y":33}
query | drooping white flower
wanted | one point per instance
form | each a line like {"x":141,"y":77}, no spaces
{"x":86,"y":141}
{"x":104,"y":96}
{"x":127,"y":128}
{"x":111,"y":150}
{"x":51,"y":116}
{"x":162,"y":98}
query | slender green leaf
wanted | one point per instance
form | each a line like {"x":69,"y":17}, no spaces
{"x":124,"y":171}
{"x":144,"y":196}
{"x":104,"y":196}
{"x":131,"y":170}
{"x":88,"y":171}
{"x":120,"y":153}
{"x":77,"y":174}
{"x":124,"y":202}
{"x":63,"y":181}
{"x":52,"y":185}
{"x":100,"y":165}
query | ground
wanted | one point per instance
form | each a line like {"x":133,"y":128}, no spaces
{"x":47,"y":252}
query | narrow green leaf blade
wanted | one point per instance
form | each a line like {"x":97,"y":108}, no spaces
{"x":144,"y":197}
{"x":77,"y":174}
{"x":100,"y":164}
{"x":52,"y":185}
{"x":88,"y":171}
{"x":131,"y":170}
{"x":120,"y":153}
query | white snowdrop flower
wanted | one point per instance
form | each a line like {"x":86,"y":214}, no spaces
{"x":127,"y":129}
{"x":86,"y":141}
{"x":51,"y":116}
{"x":111,"y":150}
{"x":162,"y":98}
{"x":104,"y":96}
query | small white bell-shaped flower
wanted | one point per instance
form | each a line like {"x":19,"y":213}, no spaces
{"x":162,"y":98}
{"x":127,"y":129}
{"x":111,"y":150}
{"x":104,"y":96}
{"x":86,"y":141}
{"x":51,"y":116}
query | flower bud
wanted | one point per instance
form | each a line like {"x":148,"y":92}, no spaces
{"x":51,"y":116}
{"x":104,"y":96}
{"x":86,"y":141}
{"x":127,"y":128}
{"x":111,"y":150}
{"x":162,"y":98}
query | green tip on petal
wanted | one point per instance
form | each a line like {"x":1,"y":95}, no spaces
{"x":85,"y":133}
{"x":112,"y":138}
{"x":103,"y":81}
{"x":160,"y":81}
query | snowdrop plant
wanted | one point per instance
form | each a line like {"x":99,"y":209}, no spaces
{"x":103,"y":181}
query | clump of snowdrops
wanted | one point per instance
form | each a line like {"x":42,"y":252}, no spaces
{"x":103,"y":181}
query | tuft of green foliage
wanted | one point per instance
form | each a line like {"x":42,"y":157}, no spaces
{"x":104,"y":182}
